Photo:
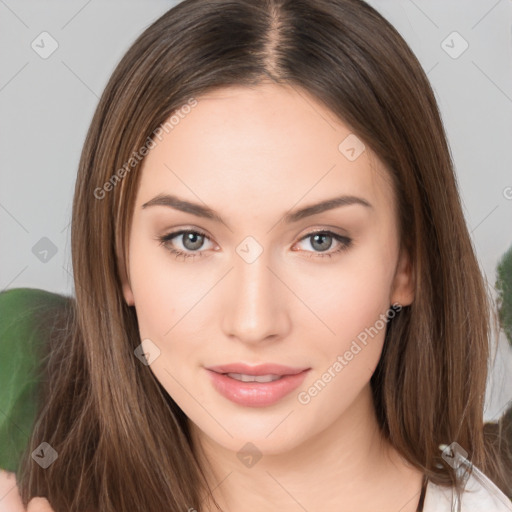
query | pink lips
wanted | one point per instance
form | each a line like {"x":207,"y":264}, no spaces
{"x":256,"y":394}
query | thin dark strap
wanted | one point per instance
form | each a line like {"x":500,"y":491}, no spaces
{"x":422,"y":495}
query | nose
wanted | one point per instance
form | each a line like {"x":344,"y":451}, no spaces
{"x":255,"y":308}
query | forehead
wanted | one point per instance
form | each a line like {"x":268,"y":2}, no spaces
{"x":270,"y":141}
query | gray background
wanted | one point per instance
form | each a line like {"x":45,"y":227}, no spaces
{"x":46,"y":105}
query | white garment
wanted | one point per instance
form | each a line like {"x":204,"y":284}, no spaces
{"x":480,"y":494}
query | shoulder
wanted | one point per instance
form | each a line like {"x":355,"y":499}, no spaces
{"x":480,"y":493}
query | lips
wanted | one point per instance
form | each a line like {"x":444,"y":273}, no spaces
{"x":232,"y":382}
{"x":258,"y":369}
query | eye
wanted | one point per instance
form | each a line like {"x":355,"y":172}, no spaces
{"x":191,"y":240}
{"x":323,"y":240}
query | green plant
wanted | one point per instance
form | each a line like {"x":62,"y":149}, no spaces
{"x":504,"y":289}
{"x":28,"y":317}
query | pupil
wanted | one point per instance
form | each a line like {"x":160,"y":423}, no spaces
{"x":324,"y":236}
{"x":190,"y":238}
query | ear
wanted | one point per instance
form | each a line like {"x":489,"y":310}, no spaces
{"x":403,"y":282}
{"x":125,"y":280}
{"x":127,"y":291}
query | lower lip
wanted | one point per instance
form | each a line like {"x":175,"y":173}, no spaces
{"x":256,"y":394}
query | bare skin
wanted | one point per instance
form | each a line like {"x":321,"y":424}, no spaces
{"x":253,"y":155}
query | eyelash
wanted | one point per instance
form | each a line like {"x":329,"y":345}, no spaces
{"x":344,"y":242}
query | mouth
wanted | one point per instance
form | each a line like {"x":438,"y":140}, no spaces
{"x":255,"y":386}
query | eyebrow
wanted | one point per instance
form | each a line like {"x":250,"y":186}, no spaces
{"x":290,"y":217}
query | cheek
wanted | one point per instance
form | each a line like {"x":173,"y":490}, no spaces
{"x":153,"y":294}
{"x":168,"y":307}
{"x":352,"y":295}
{"x":353,"y":306}
{"x":162,"y":295}
{"x":164,"y":301}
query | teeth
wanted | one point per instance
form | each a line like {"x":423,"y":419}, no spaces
{"x":254,"y":378}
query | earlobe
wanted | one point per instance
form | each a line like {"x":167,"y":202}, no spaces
{"x":404,"y":282}
{"x":127,"y":290}
{"x":127,"y":293}
{"x":125,"y":281}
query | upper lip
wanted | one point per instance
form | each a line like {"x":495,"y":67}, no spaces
{"x":258,"y":369}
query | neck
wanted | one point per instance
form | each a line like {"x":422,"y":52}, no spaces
{"x":348,"y":466}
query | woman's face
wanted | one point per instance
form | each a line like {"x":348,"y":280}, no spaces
{"x":255,"y":284}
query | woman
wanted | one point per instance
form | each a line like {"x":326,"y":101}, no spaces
{"x":277,"y":301}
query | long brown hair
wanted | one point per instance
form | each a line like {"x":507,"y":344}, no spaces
{"x":122,"y":442}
